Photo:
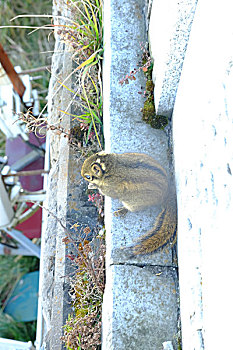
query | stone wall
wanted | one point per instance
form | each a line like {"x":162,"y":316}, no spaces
{"x":193,"y":58}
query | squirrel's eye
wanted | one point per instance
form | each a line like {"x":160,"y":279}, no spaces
{"x":88,"y":177}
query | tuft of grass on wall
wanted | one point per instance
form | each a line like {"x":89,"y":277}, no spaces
{"x":84,"y":38}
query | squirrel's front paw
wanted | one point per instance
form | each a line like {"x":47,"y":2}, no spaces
{"x":120,"y":212}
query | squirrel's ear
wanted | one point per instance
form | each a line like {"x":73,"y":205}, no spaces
{"x":97,"y":169}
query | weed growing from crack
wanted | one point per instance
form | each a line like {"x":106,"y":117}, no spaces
{"x":148,"y":111}
{"x":143,"y":66}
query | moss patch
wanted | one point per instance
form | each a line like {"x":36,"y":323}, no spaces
{"x":148,"y":111}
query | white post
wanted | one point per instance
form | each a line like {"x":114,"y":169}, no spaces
{"x":6,"y":211}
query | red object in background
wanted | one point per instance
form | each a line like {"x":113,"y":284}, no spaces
{"x":15,"y":149}
{"x":31,"y":228}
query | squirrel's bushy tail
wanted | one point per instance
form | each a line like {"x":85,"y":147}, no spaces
{"x":162,"y":233}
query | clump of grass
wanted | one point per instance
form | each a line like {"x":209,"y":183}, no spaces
{"x":85,"y":40}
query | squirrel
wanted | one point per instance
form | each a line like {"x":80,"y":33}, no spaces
{"x":138,"y":181}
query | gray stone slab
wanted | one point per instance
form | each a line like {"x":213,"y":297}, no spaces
{"x":169,"y":29}
{"x":53,"y":297}
{"x":142,"y":314}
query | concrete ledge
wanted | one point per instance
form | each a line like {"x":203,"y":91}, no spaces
{"x":135,"y":309}
{"x":137,"y":312}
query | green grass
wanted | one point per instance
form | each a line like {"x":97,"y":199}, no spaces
{"x":22,"y":331}
{"x":12,"y":268}
{"x":85,"y":38}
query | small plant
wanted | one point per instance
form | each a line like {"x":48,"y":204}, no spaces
{"x":144,"y":66}
{"x":98,"y":200}
{"x":40,"y":125}
{"x":148,"y":110}
{"x":83,"y":327}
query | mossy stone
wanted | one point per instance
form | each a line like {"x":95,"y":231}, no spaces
{"x":159,"y":122}
{"x":150,"y":86}
{"x":148,"y":110}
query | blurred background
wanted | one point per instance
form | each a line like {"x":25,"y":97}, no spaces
{"x":26,"y":55}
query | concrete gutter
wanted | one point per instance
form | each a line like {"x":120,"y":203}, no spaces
{"x":140,"y":309}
